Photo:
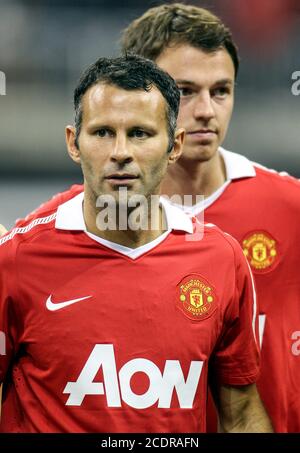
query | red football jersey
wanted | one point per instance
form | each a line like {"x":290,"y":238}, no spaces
{"x":100,"y":341}
{"x":261,"y":209}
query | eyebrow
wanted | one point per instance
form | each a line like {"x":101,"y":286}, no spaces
{"x":218,"y":82}
{"x":95,"y":125}
{"x":224,"y":82}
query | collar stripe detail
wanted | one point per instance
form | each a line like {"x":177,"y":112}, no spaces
{"x":23,"y":230}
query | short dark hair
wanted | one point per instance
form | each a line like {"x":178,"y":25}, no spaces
{"x":170,"y":24}
{"x":130,"y":72}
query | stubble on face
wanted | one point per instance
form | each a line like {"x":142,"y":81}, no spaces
{"x":206,"y":81}
{"x":121,"y":111}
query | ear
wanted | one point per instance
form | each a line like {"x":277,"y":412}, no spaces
{"x":73,"y":151}
{"x":177,"y":149}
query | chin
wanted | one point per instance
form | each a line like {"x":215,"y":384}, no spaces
{"x":199,"y":154}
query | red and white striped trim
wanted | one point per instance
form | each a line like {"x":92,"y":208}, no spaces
{"x":23,"y":230}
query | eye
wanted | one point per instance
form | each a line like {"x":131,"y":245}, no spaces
{"x":185,"y":91}
{"x":104,"y":132}
{"x":139,"y":133}
{"x":221,"y":92}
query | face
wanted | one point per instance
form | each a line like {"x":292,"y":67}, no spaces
{"x":206,"y":83}
{"x":123,"y":141}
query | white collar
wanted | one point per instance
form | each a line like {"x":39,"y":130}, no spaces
{"x":236,"y":165}
{"x":70,"y":216}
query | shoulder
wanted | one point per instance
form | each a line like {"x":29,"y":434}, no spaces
{"x":222,"y":241}
{"x":26,"y":231}
{"x":261,"y":183}
{"x":279,"y":189}
{"x":280,"y":178}
{"x":241,"y":168}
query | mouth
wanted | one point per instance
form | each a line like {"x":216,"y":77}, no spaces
{"x":202,"y":134}
{"x":121,"y":178}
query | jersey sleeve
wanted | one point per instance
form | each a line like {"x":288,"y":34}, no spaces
{"x":52,"y":204}
{"x":236,"y":358}
{"x":8,"y":319}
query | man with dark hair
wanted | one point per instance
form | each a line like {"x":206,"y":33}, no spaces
{"x":111,"y":329}
{"x":170,"y":25}
{"x":259,"y":207}
{"x":129,"y":80}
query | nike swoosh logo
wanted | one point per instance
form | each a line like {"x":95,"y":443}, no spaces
{"x":57,"y":306}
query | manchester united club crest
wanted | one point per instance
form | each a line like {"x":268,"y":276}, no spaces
{"x":196,"y":298}
{"x":260,"y":248}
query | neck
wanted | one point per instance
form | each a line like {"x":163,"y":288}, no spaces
{"x":140,"y":226}
{"x":188,"y":177}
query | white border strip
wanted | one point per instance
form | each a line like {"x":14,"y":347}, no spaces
{"x":23,"y":230}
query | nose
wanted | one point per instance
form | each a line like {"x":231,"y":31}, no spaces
{"x":203,"y":108}
{"x":121,"y":151}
